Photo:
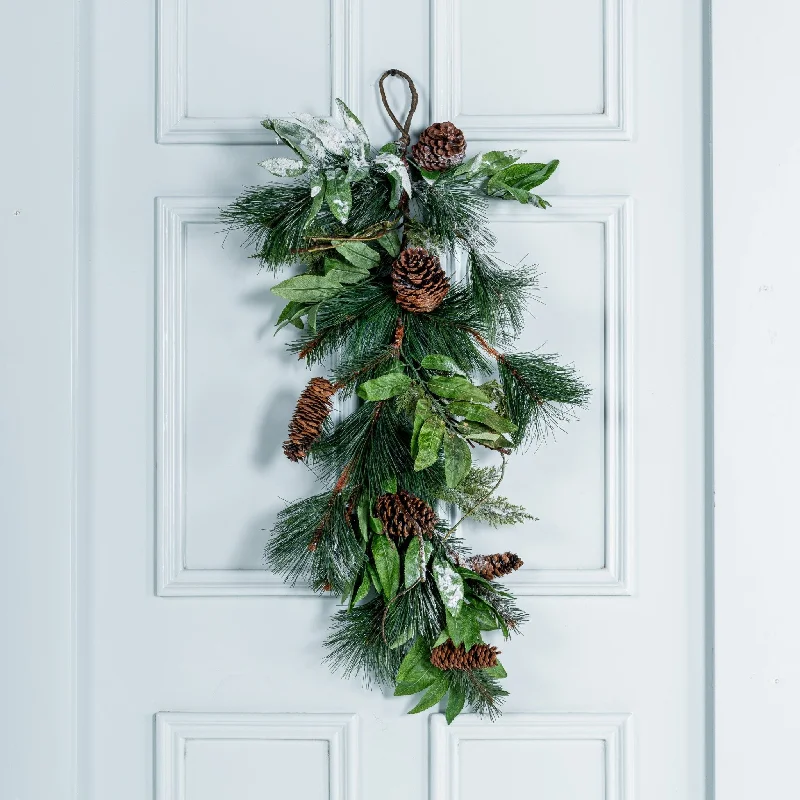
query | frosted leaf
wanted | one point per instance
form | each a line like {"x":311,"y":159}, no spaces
{"x":284,"y":167}
{"x":333,"y":139}
{"x":450,"y":585}
{"x":393,"y":164}
{"x":299,"y":138}
{"x":357,"y":168}
{"x":353,"y":124}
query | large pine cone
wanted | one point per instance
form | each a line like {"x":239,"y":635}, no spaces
{"x":495,"y":565}
{"x":403,"y":514}
{"x":313,"y":407}
{"x":479,"y":656}
{"x":440,"y":146}
{"x":419,"y":282}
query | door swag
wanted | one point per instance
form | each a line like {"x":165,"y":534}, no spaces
{"x":430,"y":358}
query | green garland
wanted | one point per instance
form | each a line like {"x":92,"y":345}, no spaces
{"x":433,"y":385}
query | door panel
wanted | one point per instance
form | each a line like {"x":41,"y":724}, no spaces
{"x":199,"y":670}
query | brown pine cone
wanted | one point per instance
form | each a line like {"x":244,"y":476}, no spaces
{"x":403,"y":514}
{"x":313,"y":407}
{"x":479,"y":656}
{"x":495,"y":565}
{"x":440,"y":146}
{"x":419,"y":282}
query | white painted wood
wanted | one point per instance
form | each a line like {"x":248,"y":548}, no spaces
{"x":558,"y":756}
{"x":756,"y":433}
{"x":316,"y":751}
{"x":336,"y":47}
{"x":38,"y":402}
{"x":151,"y":303}
{"x":607,"y":116}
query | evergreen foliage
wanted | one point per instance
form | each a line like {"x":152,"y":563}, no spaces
{"x":432,"y":388}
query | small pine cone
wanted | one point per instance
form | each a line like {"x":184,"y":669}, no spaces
{"x":313,"y":407}
{"x":419,"y":282}
{"x":495,"y":565}
{"x":479,"y":656}
{"x":440,"y":146}
{"x":403,"y":514}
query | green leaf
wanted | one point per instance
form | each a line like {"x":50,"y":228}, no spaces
{"x":463,"y":629}
{"x":421,"y":413}
{"x":337,"y":194}
{"x":481,"y":433}
{"x":441,"y":638}
{"x":518,"y":181}
{"x":440,"y":363}
{"x":284,"y":167}
{"x":362,"y":591}
{"x":455,"y":703}
{"x":344,"y":272}
{"x":308,"y":288}
{"x":450,"y":585}
{"x":434,"y":694}
{"x":389,"y":486}
{"x":525,"y":176}
{"x":382,"y":388}
{"x":417,"y":685}
{"x":375,"y":525}
{"x":413,"y":567}
{"x":478,"y":413}
{"x":312,"y":317}
{"x":457,"y":460}
{"x":362,"y":512}
{"x":489,"y":163}
{"x":456,"y":387}
{"x":359,"y":254}
{"x":484,"y":615}
{"x":391,"y":243}
{"x":429,"y":440}
{"x":391,"y":148}
{"x":418,"y":655}
{"x":497,"y":671}
{"x":374,"y":577}
{"x":387,"y":563}
{"x":291,"y":313}
{"x":431,"y":176}
{"x":357,"y":169}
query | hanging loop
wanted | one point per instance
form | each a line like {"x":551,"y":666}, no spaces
{"x":405,"y":138}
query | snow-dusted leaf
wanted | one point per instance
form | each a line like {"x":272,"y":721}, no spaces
{"x":353,"y":124}
{"x":357,"y":168}
{"x":415,"y":562}
{"x":397,"y":172}
{"x":450,"y":585}
{"x":284,"y":167}
{"x":333,"y":139}
{"x":299,"y":138}
{"x":316,"y":187}
{"x":337,"y":194}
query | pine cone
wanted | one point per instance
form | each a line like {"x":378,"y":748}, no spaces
{"x":313,"y":407}
{"x":419,"y":282}
{"x":440,"y":146}
{"x":479,"y":656}
{"x":403,"y":514}
{"x":495,"y":565}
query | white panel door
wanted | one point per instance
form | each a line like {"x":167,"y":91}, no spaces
{"x":200,"y":673}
